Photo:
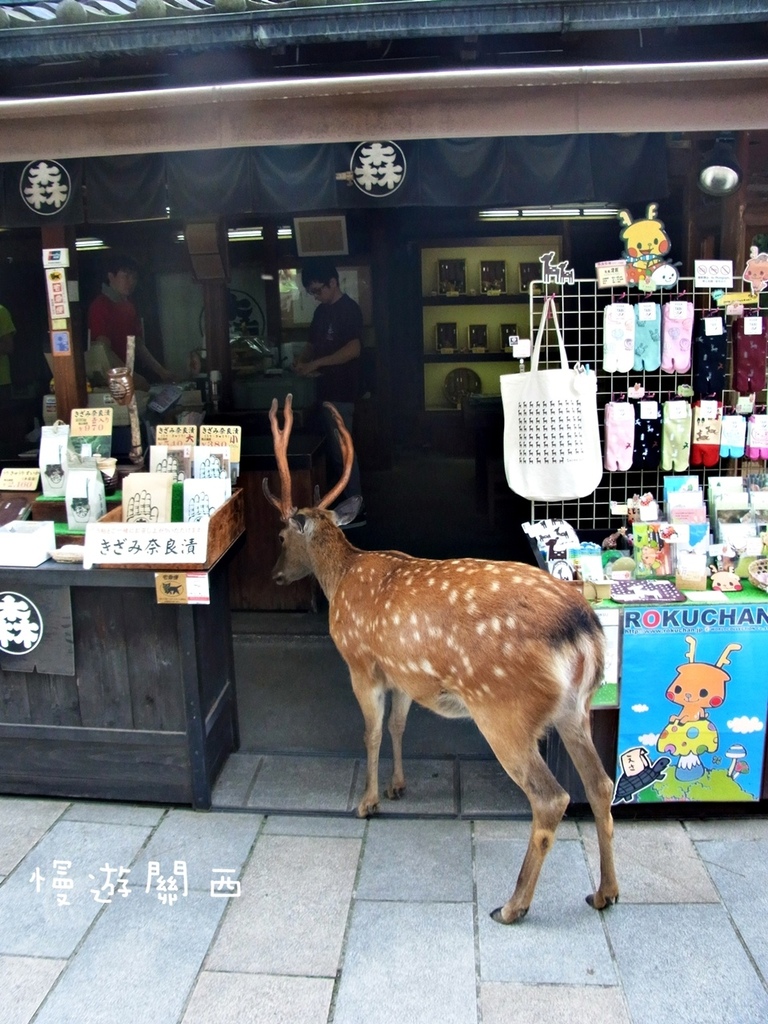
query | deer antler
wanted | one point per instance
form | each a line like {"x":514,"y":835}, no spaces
{"x":723,"y":659}
{"x":347,"y":453}
{"x":280,"y":442}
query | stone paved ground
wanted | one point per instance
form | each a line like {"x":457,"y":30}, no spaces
{"x":341,"y":921}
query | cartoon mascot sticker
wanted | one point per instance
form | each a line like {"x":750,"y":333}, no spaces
{"x":646,"y":245}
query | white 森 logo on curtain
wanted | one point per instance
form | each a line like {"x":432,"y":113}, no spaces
{"x":21,"y":624}
{"x":378,"y":168}
{"x":45,"y":187}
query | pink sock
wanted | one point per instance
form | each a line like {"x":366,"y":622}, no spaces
{"x":676,"y":336}
{"x":619,"y":436}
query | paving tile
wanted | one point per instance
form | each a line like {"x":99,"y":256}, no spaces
{"x":429,"y":787}
{"x":517,"y":829}
{"x":487,"y":789}
{"x":303,"y":783}
{"x":203,"y":841}
{"x":684,"y":963}
{"x":114,"y":813}
{"x":234,"y":781}
{"x":257,"y":999}
{"x":740,"y":872}
{"x":561,"y":941}
{"x":34,"y":924}
{"x":727,"y":829}
{"x":139,"y":962}
{"x":24,"y":983}
{"x":656,"y":862}
{"x":346,"y":827}
{"x":552,"y":1004}
{"x":22,"y":823}
{"x":417,"y":861}
{"x":407,"y":962}
{"x":293,"y":910}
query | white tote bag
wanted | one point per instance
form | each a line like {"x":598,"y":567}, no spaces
{"x":551,"y":436}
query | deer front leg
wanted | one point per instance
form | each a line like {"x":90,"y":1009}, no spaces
{"x":371,"y":698}
{"x":401,"y":704}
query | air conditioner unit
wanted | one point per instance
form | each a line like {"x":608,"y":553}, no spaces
{"x":321,"y":236}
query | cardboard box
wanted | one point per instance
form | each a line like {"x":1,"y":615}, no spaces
{"x":26,"y":544}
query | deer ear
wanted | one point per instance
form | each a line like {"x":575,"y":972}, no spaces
{"x":347,"y":510}
{"x":299,"y":521}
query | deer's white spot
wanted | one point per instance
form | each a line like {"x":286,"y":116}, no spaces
{"x":496,"y":625}
{"x":481,"y":628}
{"x":509,"y":622}
{"x":427,"y":667}
{"x":499,"y":671}
{"x":453,"y":596}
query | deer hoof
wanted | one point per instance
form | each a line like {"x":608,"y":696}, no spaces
{"x":598,"y":902}
{"x":395,"y":792}
{"x":367,"y":807}
{"x":498,"y":916}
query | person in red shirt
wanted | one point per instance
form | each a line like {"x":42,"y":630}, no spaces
{"x":112,"y":317}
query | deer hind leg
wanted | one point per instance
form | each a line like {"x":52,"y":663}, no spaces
{"x":576,"y":734}
{"x":371,"y":698}
{"x":398,"y":714}
{"x":525,"y":766}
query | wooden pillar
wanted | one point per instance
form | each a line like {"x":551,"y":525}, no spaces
{"x":69,"y":369}
{"x":733,"y":240}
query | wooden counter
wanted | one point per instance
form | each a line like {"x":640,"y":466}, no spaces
{"x":122,"y":698}
{"x":251,"y":586}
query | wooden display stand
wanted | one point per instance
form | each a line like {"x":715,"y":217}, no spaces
{"x":123,"y":698}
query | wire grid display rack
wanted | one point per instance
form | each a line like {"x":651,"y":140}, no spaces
{"x":580,"y":310}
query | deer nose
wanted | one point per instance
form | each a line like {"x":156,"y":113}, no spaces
{"x":278,"y":577}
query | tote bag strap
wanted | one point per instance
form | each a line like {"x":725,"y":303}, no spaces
{"x":549,"y":308}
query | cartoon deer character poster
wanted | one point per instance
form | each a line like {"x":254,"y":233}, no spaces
{"x":693,"y":704}
{"x":646,"y":248}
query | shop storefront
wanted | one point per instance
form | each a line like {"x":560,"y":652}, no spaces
{"x":269,"y":153}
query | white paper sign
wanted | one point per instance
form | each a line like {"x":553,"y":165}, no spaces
{"x":151,"y":543}
{"x":713,"y":326}
{"x":753,"y":325}
{"x":713,"y":273}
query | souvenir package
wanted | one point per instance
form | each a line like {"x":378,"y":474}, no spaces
{"x":53,"y":459}
{"x":85,"y":498}
{"x":652,"y":549}
{"x":175,"y":459}
{"x":211,"y":462}
{"x":618,"y":337}
{"x":147,"y":498}
{"x":203,"y":497}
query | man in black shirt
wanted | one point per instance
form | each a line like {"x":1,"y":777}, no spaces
{"x":333,"y":351}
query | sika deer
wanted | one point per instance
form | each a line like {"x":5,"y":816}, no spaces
{"x":501,"y":642}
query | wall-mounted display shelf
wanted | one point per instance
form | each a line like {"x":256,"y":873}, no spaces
{"x":468,"y":315}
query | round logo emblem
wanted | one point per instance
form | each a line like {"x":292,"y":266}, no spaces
{"x":45,"y":187}
{"x":21,"y":624}
{"x":378,"y":168}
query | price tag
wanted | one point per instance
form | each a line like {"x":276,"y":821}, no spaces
{"x":90,"y":422}
{"x":214,"y":435}
{"x":176,"y":433}
{"x":713,"y":326}
{"x":678,"y":310}
{"x":708,"y":410}
{"x":677,"y":410}
{"x":753,"y":325}
{"x":646,"y":311}
{"x":18,"y":478}
{"x":611,"y":273}
{"x":649,"y":410}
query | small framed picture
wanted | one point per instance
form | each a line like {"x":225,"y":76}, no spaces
{"x":530,"y":272}
{"x":446,"y":337}
{"x":478,"y":337}
{"x":507,"y":337}
{"x":452,"y":277}
{"x":493,"y":277}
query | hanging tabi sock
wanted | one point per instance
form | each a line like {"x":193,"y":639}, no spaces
{"x":647,"y":453}
{"x":676,"y":335}
{"x":618,"y":338}
{"x":710,"y":348}
{"x":707,"y":426}
{"x":757,"y":436}
{"x":647,"y":336}
{"x":750,"y":346}
{"x":676,"y":436}
{"x":619,"y":436}
{"x":733,"y":437}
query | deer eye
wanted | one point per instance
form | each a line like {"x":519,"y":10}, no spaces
{"x":703,"y":693}
{"x":678,"y":689}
